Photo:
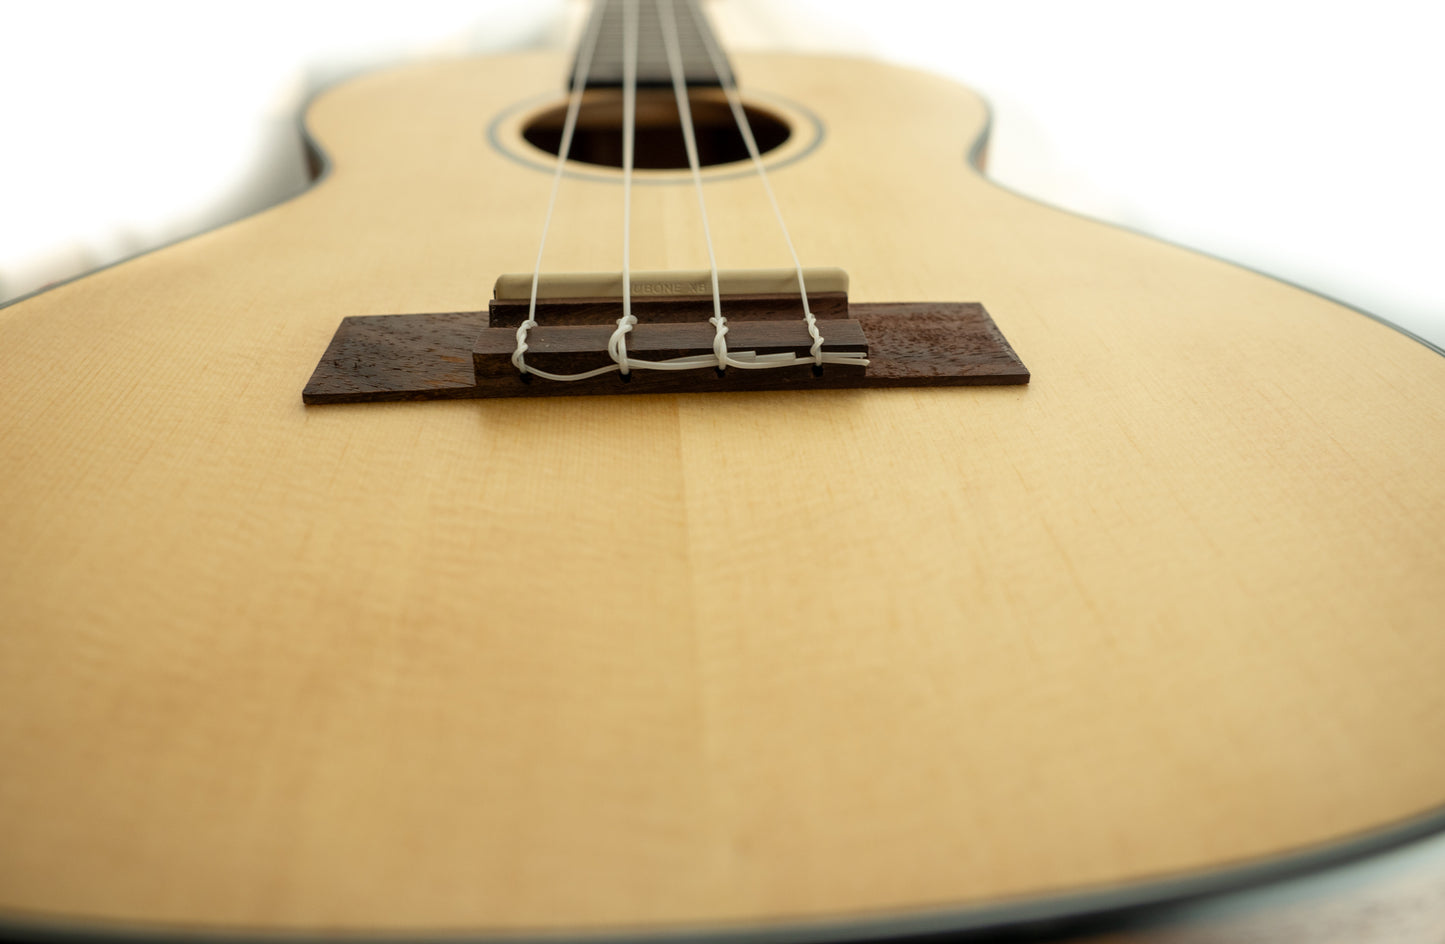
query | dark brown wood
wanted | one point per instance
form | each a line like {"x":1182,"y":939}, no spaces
{"x":509,"y":313}
{"x":398,"y":357}
{"x":429,"y":356}
{"x":931,"y":344}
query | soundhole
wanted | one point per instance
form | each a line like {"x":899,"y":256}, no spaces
{"x":658,"y":136}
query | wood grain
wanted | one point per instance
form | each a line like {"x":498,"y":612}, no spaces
{"x":693,"y":661}
{"x":373,"y":358}
{"x":923,"y":344}
{"x":378,"y":358}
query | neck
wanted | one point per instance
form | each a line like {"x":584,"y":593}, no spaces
{"x":652,"y":70}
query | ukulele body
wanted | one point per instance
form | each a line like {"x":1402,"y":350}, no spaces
{"x":748,"y":660}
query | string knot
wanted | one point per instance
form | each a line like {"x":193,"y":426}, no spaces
{"x":817,"y":349}
{"x":720,"y":340}
{"x":617,"y":344}
{"x":517,"y":356}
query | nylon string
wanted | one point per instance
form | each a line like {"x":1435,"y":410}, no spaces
{"x":721,"y":358}
{"x":569,"y":125}
{"x":730,"y":88}
{"x":689,"y":139}
{"x":617,"y":344}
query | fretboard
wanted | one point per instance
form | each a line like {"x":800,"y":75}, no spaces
{"x":652,"y":68}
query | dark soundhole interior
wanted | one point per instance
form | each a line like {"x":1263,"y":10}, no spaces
{"x":659,"y":142}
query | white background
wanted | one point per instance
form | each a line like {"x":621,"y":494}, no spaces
{"x":1304,"y":139}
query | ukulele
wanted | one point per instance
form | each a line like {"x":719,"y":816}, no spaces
{"x":858,"y":661}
